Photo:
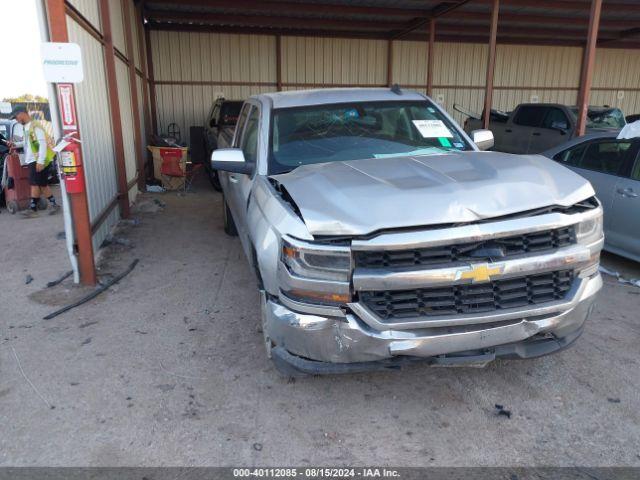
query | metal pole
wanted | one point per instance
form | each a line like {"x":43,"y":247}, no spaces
{"x":432,"y":39}
{"x":491,"y":64}
{"x":389,"y":62}
{"x":152,"y":83}
{"x":114,"y":104}
{"x":57,"y":130}
{"x":57,"y":23}
{"x":588,"y":62}
{"x":279,"y":62}
{"x":133,"y":85}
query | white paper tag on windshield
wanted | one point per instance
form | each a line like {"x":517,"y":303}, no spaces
{"x":432,"y":128}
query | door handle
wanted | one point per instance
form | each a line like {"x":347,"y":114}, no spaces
{"x":627,"y":192}
{"x":508,"y":130}
{"x":536,"y":134}
{"x":233,"y":179}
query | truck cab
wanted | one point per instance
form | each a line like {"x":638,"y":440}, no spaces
{"x":536,"y":127}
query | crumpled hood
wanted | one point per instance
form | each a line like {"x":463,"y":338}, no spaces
{"x":362,"y":196}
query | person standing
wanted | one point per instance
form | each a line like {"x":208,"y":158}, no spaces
{"x":39,"y":157}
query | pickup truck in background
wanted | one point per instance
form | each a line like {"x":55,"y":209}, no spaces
{"x":380,"y":234}
{"x":218,"y":130}
{"x":536,"y":127}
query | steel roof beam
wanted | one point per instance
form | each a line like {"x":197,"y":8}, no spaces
{"x":268,"y":21}
{"x":296,"y":8}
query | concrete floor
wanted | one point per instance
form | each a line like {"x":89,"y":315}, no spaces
{"x":167,"y":368}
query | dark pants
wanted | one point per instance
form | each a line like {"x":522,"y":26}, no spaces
{"x":38,"y":179}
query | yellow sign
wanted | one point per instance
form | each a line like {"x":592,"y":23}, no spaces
{"x":481,"y":273}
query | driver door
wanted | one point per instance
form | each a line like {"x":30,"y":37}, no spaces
{"x":239,"y":185}
{"x":552,"y":132}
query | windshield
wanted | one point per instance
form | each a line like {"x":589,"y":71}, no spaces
{"x":603,"y":118}
{"x":354,"y":131}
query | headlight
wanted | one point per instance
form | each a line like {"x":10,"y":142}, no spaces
{"x":317,"y":274}
{"x":590,"y":230}
{"x":317,"y":262}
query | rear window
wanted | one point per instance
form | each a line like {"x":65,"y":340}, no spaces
{"x":603,"y":118}
{"x":530,"y":116}
{"x":229,"y":112}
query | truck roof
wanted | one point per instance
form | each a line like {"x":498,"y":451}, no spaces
{"x":303,"y":98}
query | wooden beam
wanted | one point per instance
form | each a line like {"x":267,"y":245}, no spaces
{"x":114,"y":108}
{"x":491,"y":64}
{"x":133,"y":86}
{"x":57,"y":24}
{"x":588,"y":62}
{"x":430,"y":54}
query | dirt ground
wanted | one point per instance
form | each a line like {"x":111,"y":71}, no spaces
{"x":168,"y":368}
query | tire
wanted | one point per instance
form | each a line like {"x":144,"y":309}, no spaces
{"x":42,"y":203}
{"x":229,"y":224}
{"x":215,"y":181}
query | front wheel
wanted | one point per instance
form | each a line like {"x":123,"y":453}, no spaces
{"x":215,"y":180}
{"x":229,"y":224}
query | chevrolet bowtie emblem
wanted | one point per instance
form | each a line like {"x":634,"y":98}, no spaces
{"x":480,"y":273}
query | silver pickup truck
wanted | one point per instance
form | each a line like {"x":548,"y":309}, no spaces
{"x":380,"y":234}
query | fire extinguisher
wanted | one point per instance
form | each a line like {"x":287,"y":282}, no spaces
{"x":71,"y":164}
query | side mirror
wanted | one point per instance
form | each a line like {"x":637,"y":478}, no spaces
{"x":483,"y":139}
{"x":230,"y":160}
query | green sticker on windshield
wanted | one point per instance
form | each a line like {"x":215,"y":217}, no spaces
{"x":444,"y":141}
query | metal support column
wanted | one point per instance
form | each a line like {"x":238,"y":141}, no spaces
{"x":133,"y":85}
{"x":114,"y":109}
{"x":279,"y":63}
{"x":57,"y":22}
{"x":432,"y":40}
{"x":389,"y":62}
{"x":491,"y":64}
{"x":588,"y":62}
{"x":152,"y":84}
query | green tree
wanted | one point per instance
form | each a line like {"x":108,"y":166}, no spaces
{"x":26,"y":98}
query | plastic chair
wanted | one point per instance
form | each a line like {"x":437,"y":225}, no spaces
{"x":172,"y":170}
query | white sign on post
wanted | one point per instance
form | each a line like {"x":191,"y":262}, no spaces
{"x":62,"y":62}
{"x":5,"y":107}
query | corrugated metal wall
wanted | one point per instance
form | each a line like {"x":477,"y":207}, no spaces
{"x":320,"y":61}
{"x":126,"y":118}
{"x":523,"y":73}
{"x":192,"y":69}
{"x":94,"y":108}
{"x":97,"y":140}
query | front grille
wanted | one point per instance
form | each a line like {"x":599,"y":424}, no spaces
{"x":486,"y":250}
{"x":469,"y":299}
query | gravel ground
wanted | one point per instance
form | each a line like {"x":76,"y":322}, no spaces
{"x":168,"y":368}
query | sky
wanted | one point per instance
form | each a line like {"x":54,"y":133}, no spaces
{"x":20,"y":40}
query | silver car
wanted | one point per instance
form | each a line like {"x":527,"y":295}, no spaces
{"x":613,"y":168}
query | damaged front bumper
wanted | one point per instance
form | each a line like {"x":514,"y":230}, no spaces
{"x":316,"y":343}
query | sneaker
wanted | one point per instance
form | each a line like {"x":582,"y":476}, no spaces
{"x":28,"y":213}
{"x":53,"y":209}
